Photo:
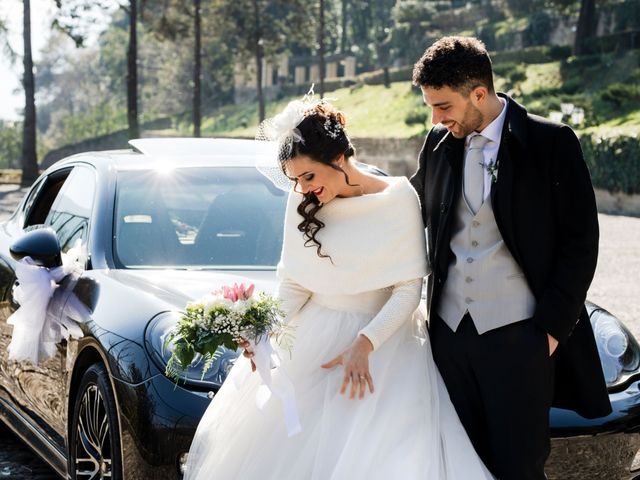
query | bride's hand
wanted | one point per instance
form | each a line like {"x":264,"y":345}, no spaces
{"x":356,"y":367}
{"x":248,"y":353}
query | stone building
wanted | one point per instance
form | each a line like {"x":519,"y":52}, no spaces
{"x":287,"y":74}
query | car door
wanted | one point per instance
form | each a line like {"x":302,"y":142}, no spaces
{"x":63,"y":203}
{"x":32,"y":211}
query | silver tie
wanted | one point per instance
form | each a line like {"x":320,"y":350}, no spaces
{"x":474,"y":173}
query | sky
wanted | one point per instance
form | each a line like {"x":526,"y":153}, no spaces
{"x":12,"y":101}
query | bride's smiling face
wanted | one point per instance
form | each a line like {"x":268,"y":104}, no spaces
{"x":311,"y":176}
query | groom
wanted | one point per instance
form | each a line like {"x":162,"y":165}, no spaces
{"x":512,"y":240}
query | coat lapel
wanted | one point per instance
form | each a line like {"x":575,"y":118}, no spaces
{"x":451,"y":150}
{"x":453,"y":155}
{"x":513,"y":135}
{"x":501,"y":191}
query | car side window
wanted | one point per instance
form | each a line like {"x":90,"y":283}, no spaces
{"x":70,"y":214}
{"x":33,"y":194}
{"x":42,"y":197}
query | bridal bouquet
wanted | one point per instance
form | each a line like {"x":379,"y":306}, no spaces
{"x":223,"y":317}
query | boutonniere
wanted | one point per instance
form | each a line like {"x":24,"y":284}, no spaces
{"x":492,"y":169}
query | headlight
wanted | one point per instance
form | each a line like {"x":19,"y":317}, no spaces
{"x":160,"y":351}
{"x":619,"y":351}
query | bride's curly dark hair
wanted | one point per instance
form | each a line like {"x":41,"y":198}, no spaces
{"x":324,"y":139}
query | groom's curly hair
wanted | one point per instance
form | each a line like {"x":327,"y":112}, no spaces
{"x":460,"y":63}
{"x":323,"y":140}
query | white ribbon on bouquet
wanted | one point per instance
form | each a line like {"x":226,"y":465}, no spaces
{"x":35,"y":332}
{"x":274,"y":381}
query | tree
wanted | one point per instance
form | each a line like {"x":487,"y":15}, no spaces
{"x":361,"y":27}
{"x":412,"y":28}
{"x":73,"y":18}
{"x":344,"y":17}
{"x":368,"y":22}
{"x":259,"y":29}
{"x":321,"y":47}
{"x":82,"y":93}
{"x":132,"y":72}
{"x":383,"y":41}
{"x":586,"y":27}
{"x":10,"y":132}
{"x":4,"y":42}
{"x":29,"y":156}
{"x":258,"y":47}
{"x":182,"y":19}
{"x":322,"y":16}
{"x":197,"y":68}
{"x":587,"y":24}
{"x":10,"y":144}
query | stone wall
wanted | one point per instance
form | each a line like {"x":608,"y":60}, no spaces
{"x":400,"y":157}
{"x":617,"y":203}
{"x":393,"y":155}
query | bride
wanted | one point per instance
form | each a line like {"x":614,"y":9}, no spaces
{"x":371,"y":402}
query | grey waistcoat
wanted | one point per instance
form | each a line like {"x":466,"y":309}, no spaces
{"x":483,"y":279}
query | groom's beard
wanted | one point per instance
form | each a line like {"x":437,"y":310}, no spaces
{"x":471,"y":121}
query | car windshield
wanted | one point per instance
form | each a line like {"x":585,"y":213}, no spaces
{"x":206,"y":217}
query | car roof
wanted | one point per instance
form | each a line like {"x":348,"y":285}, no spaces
{"x":149,"y":153}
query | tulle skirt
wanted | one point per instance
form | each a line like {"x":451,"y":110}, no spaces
{"x":406,"y":429}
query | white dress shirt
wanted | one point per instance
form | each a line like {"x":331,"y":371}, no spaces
{"x":493,"y":132}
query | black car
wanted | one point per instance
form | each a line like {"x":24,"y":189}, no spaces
{"x":160,"y":225}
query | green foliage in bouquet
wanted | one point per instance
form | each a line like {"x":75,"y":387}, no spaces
{"x":221,"y":321}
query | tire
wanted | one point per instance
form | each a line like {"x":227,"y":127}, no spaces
{"x":94,"y":440}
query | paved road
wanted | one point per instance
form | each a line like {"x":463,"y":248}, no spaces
{"x":18,"y":463}
{"x":616,"y":286}
{"x":10,"y":196}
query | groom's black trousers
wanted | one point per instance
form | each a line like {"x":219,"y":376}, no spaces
{"x":501,"y":385}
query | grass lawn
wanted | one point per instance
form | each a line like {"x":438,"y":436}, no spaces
{"x":379,"y":112}
{"x":371,"y":110}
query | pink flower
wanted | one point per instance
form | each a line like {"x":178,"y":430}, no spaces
{"x":242,"y":292}
{"x":237,"y":292}
{"x":229,"y":294}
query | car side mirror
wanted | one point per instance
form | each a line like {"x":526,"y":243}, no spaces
{"x":41,"y":245}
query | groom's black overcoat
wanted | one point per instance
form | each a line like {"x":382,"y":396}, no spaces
{"x":545,"y":208}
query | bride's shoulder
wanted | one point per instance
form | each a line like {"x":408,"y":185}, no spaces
{"x":399,"y":185}
{"x":402,"y":194}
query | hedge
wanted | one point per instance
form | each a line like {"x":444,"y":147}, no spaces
{"x":532,"y":54}
{"x":614,"y":162}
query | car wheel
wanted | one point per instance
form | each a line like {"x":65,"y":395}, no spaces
{"x":94,"y":444}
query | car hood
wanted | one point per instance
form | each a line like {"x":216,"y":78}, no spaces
{"x":128,"y":299}
{"x":176,"y":287}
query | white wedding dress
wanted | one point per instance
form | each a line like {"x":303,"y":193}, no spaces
{"x":408,"y":428}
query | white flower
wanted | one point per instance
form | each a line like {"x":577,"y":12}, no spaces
{"x":284,"y":124}
{"x":210,"y":303}
{"x":240,"y":307}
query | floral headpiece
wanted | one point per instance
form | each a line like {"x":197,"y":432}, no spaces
{"x":283,"y":130}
